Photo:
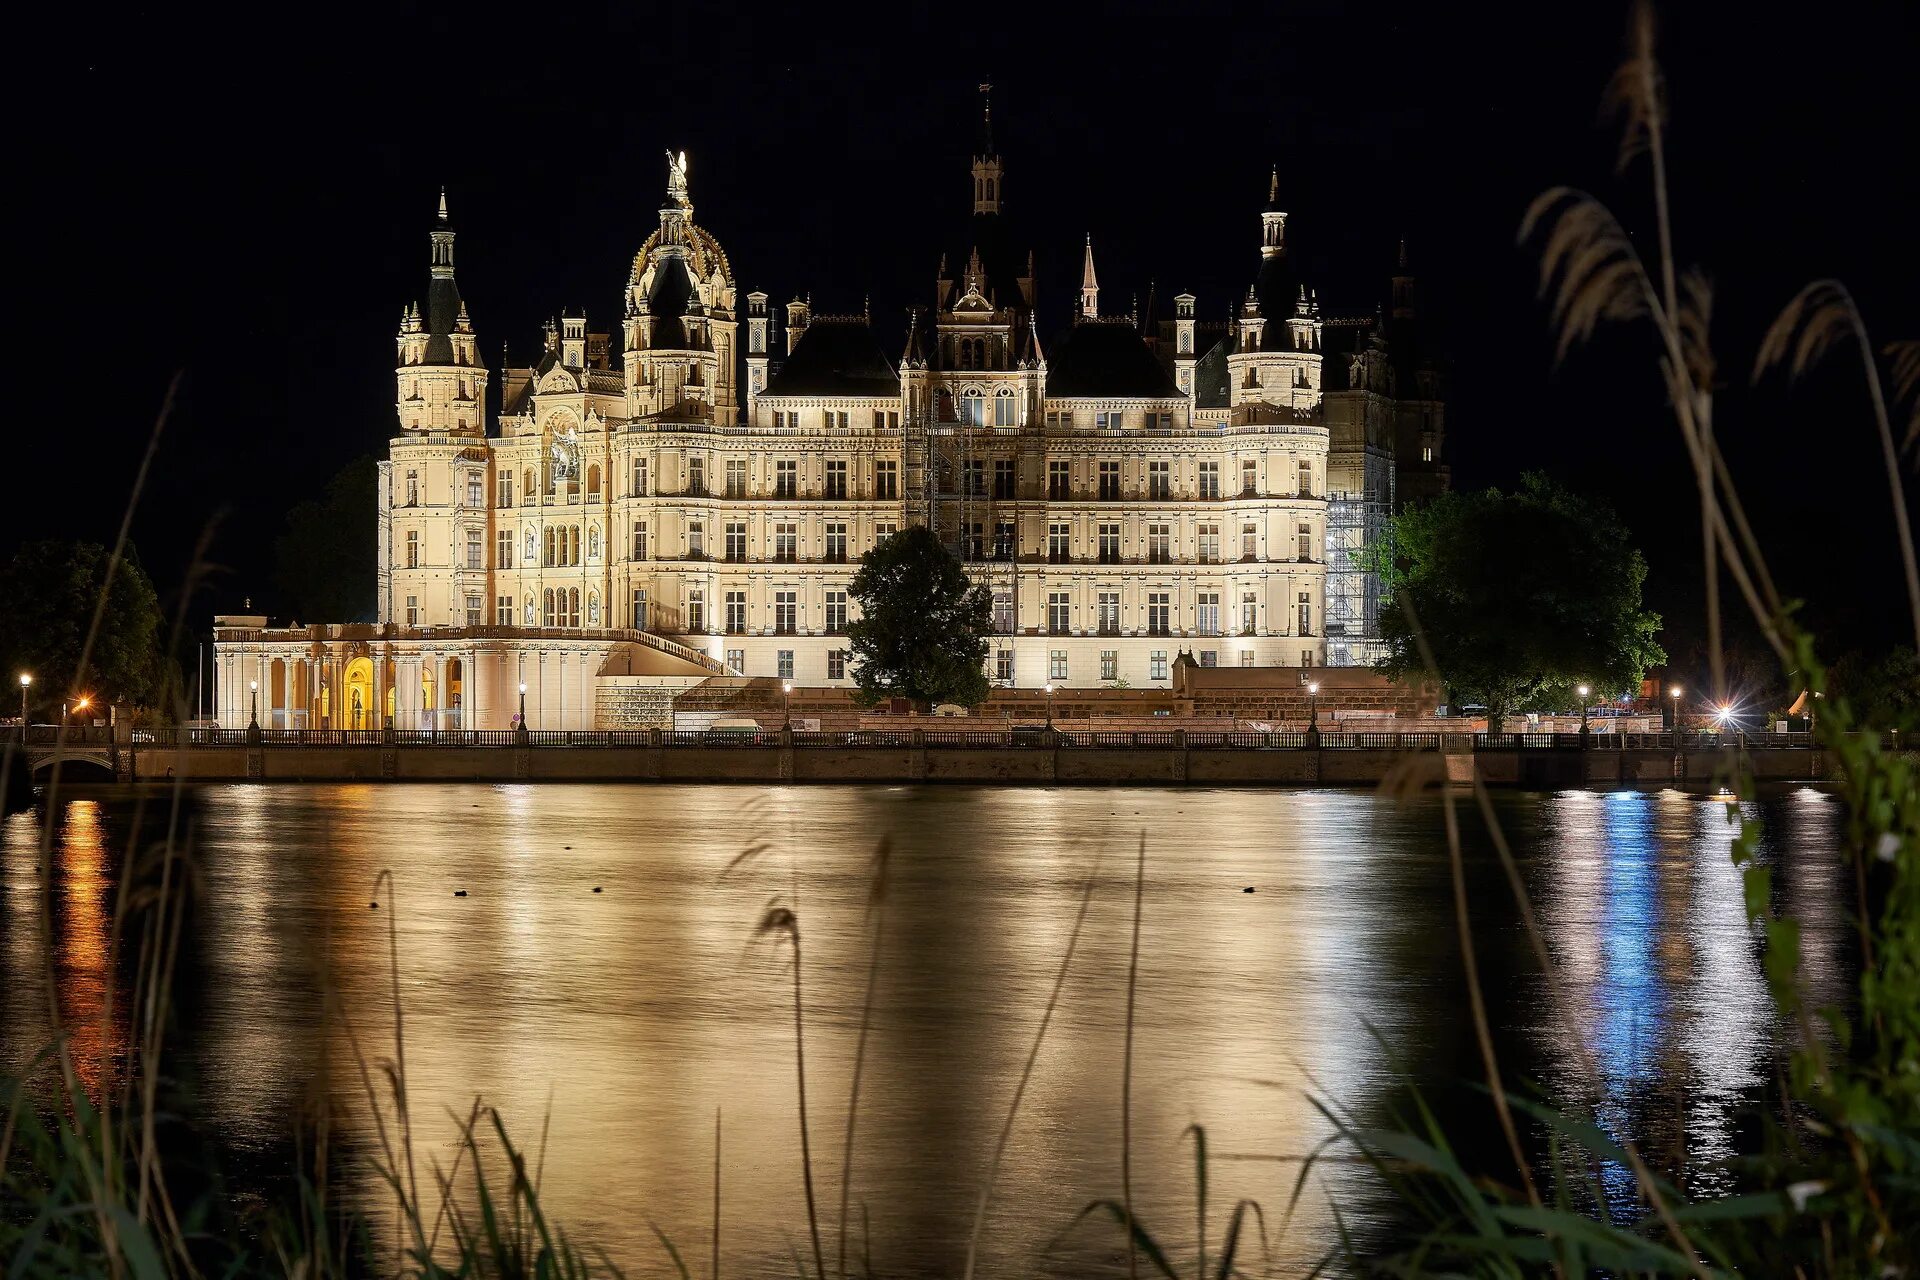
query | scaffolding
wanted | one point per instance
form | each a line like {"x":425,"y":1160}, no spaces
{"x":1354,"y":522}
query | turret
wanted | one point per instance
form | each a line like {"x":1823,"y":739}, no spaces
{"x":573,"y":341}
{"x":1184,"y":338}
{"x":1251,"y":323}
{"x":986,"y":160}
{"x":441,"y":383}
{"x":1273,"y":221}
{"x":757,"y":323}
{"x":798,"y":313}
{"x":1089,"y":286}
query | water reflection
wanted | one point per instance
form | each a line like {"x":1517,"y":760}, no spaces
{"x":626,"y":1019}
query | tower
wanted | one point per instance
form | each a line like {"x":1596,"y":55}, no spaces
{"x":757,"y":321}
{"x":798,"y":313}
{"x":441,"y":384}
{"x":1089,"y":287}
{"x":680,"y":324}
{"x":1183,"y":343}
{"x":986,"y":160}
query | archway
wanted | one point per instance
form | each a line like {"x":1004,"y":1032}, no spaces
{"x":357,"y":706}
{"x":456,"y":687}
{"x":277,"y":694}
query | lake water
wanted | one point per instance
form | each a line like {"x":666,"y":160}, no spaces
{"x":624,"y":1020}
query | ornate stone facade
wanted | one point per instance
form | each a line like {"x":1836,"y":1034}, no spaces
{"x":1130,"y":492}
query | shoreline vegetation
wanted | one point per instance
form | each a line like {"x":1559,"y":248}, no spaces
{"x":1828,"y":1182}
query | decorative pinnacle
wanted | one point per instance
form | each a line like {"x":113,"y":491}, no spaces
{"x":443,"y":204}
{"x":1273,"y":185}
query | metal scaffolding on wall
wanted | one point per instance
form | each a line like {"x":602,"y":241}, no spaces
{"x":1353,"y":594}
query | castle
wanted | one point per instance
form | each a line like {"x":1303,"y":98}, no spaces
{"x":693,"y":501}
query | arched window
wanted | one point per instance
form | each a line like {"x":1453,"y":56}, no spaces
{"x":1003,"y":407}
{"x":547,"y":619}
{"x":546,"y":543}
{"x":989,"y":190}
{"x":593,"y":481}
{"x":573,"y":607}
{"x":526,"y":488}
{"x":973,"y":408}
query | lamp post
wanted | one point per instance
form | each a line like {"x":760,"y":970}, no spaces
{"x":1313,"y":705}
{"x":1674,"y":693}
{"x":253,"y":693}
{"x":1813,"y":713}
{"x":523,"y":706}
{"x":786,"y":705}
{"x":1583,"y":691}
{"x":1049,"y":688}
{"x":25,"y":680}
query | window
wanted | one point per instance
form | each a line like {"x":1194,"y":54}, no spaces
{"x":1305,"y":542}
{"x":1249,"y":541}
{"x":1249,"y":613}
{"x":1209,"y":480}
{"x":1207,"y":613}
{"x":1003,"y":612}
{"x":476,"y":556}
{"x":1109,"y":616}
{"x":1209,"y":544}
{"x":734,"y":540}
{"x":1057,"y":664}
{"x":413,"y":548}
{"x":836,"y":664}
{"x":1003,"y":477}
{"x":879,"y":420}
{"x":593,"y":481}
{"x":503,"y":549}
{"x":696,"y":543}
{"x":639,"y":477}
{"x":474,"y":616}
{"x":1157,"y":665}
{"x":1306,"y":614}
{"x":696,"y":610}
{"x":1306,"y":479}
{"x":1110,"y":481}
{"x":1159,"y":481}
{"x":1109,"y":420}
{"x":786,"y":478}
{"x":697,"y":476}
{"x":1003,"y":407}
{"x":973,"y":408}
{"x":836,"y":543}
{"x":1159,"y":544}
{"x":1158,"y":612}
{"x":786,"y":613}
{"x":638,"y":615}
{"x":1306,"y":657}
{"x":737,"y":478}
{"x":1059,"y":543}
{"x":1109,"y":544}
{"x":1109,"y":664}
{"x":786,"y":542}
{"x":413,"y":488}
{"x":1058,"y":620}
{"x":639,"y":539}
{"x":1003,"y":666}
{"x":976,"y":537}
{"x":1003,"y":539}
{"x":503,"y":489}
{"x":503,"y":611}
{"x":886,"y":479}
{"x":735,"y":605}
{"x":1249,"y":477}
{"x":976,"y":477}
{"x":1059,"y":484}
{"x":413,"y":611}
{"x":836,"y":479}
{"x":526,"y":486}
{"x":783,"y":663}
{"x":883,"y":530}
{"x":546,"y":607}
{"x":737,"y":660}
{"x":836,"y":611}
{"x":1209,"y":657}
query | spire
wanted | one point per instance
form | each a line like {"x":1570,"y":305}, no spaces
{"x":1273,"y":188}
{"x":986,"y":119}
{"x":446,"y":313}
{"x":986,"y":161}
{"x":443,"y":204}
{"x":1089,"y":285}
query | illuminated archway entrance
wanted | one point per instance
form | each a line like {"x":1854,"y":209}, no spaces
{"x":357,"y":704}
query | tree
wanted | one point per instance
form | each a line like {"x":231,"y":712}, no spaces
{"x":1521,"y":597}
{"x":324,"y":562}
{"x":52,"y":590}
{"x":922,"y":630}
{"x":1883,"y":692}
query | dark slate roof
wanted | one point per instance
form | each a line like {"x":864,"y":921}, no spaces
{"x":1210,"y":390}
{"x":836,"y":358}
{"x":1106,"y":360}
{"x":670,"y":298}
{"x":443,"y":312}
{"x":1278,"y":290}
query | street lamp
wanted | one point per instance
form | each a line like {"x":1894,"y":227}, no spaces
{"x":786,"y":704}
{"x":253,"y":690}
{"x":523,"y":705}
{"x":1813,"y":712}
{"x":1313,"y":705}
{"x":1049,"y":704}
{"x":1583,"y":691}
{"x":1674,"y":693}
{"x":25,"y":680}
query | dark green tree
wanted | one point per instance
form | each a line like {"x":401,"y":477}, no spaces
{"x":52,"y":590}
{"x":1521,"y":597}
{"x":922,"y":630}
{"x":1882,"y":692}
{"x":324,"y":562}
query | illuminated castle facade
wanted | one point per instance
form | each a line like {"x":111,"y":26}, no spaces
{"x":690,"y":496}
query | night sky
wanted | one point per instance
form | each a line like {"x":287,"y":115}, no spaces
{"x":248,"y":205}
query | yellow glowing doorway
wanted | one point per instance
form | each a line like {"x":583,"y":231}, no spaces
{"x":359,"y":700}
